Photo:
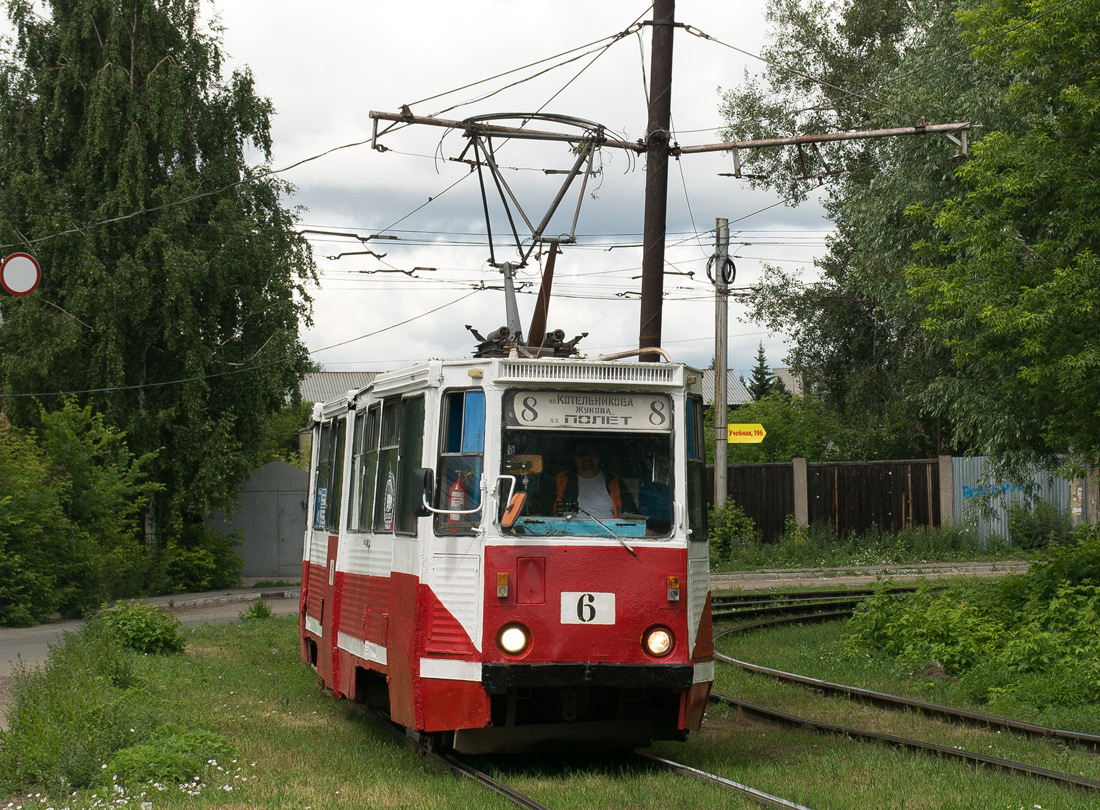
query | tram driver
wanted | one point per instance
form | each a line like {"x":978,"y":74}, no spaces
{"x":593,"y":491}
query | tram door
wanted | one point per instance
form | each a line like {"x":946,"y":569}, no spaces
{"x":456,"y":559}
{"x":330,"y":469}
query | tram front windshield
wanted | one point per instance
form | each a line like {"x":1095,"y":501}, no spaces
{"x":589,"y":482}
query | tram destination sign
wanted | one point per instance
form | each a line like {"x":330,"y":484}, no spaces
{"x":588,"y":410}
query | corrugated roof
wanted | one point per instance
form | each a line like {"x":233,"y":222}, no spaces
{"x":736,"y":393}
{"x":321,"y":386}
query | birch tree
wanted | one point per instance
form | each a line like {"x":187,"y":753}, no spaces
{"x":173,"y":277}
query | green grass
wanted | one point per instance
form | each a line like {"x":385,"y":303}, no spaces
{"x":289,"y":745}
{"x":812,"y":650}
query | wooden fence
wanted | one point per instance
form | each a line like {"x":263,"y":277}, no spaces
{"x":852,"y":497}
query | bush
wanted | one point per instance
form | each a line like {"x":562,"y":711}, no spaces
{"x":1038,"y":527}
{"x":257,"y":610}
{"x":69,"y":527}
{"x":1026,"y":641}
{"x":200,"y":559}
{"x":926,"y":627}
{"x":144,"y":628}
{"x":730,"y":529}
{"x":34,"y":533}
{"x":1077,"y":562}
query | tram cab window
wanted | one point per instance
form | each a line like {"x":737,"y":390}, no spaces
{"x":591,"y":483}
{"x":461,"y":455}
{"x":329,"y":475}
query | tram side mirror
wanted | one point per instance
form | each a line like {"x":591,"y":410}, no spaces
{"x":515,"y":506}
{"x":423,"y":482}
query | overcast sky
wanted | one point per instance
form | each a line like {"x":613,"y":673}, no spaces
{"x":325,"y":65}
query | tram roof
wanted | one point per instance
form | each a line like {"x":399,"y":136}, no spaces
{"x":510,"y":371}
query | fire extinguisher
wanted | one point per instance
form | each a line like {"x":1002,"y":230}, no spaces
{"x":456,"y":499}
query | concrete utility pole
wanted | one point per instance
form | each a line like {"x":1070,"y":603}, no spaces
{"x":657,"y":140}
{"x":721,"y":278}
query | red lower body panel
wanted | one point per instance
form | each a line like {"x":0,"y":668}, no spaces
{"x":389,"y":625}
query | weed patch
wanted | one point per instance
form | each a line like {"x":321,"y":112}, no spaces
{"x":67,"y":719}
{"x":170,"y":756}
{"x":259,"y":609}
{"x":1027,"y":641}
{"x":735,"y":546}
{"x":87,"y":720}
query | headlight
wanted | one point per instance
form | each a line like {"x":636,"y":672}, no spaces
{"x":513,"y":638}
{"x":658,"y":641}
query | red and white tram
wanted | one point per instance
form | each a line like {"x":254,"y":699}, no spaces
{"x":453,"y":577}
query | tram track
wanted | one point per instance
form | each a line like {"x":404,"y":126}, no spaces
{"x":740,"y":606}
{"x":900,"y":703}
{"x":450,"y":763}
{"x":447,"y":762}
{"x":753,"y":794}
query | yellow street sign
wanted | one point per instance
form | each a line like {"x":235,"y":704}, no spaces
{"x":745,"y":434}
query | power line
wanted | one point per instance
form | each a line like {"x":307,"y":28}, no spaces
{"x":255,"y":367}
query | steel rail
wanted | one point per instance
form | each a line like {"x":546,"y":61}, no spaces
{"x":446,"y":762}
{"x":884,"y":699}
{"x":758,"y":796}
{"x":458,"y":766}
{"x":908,"y":743}
{"x":781,"y":620}
{"x":788,"y":607}
{"x":781,"y":597}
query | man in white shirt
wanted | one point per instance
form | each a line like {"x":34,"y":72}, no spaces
{"x":597,"y":494}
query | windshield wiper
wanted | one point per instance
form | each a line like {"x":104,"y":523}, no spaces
{"x":609,"y":530}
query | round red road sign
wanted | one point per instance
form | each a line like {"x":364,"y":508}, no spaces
{"x":20,"y":273}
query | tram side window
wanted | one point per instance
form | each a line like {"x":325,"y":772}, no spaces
{"x":696,"y":470}
{"x":411,"y":453}
{"x":385,"y":497}
{"x":461,"y":454}
{"x":400,"y":452}
{"x":329,"y":480}
{"x":364,"y":465}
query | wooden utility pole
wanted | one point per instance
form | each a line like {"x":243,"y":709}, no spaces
{"x":657,"y":146}
{"x":721,"y":277}
{"x":657,"y":141}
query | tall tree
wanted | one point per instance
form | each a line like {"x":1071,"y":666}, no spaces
{"x":173,"y":277}
{"x":1011,"y":277}
{"x":847,"y":65}
{"x":761,"y":382}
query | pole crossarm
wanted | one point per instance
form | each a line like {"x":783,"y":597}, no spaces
{"x":595,"y":133}
{"x":828,"y":137}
